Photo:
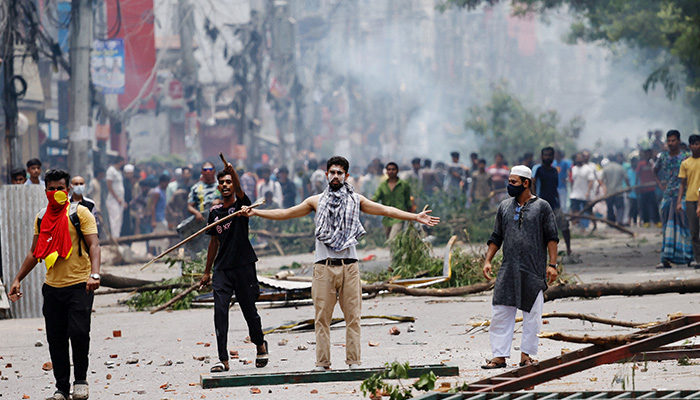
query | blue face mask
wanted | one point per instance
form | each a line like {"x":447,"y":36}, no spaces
{"x":515,"y":191}
{"x":79,"y":189}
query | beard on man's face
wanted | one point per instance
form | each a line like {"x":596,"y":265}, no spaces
{"x":335,"y":184}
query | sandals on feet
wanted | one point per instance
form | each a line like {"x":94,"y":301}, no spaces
{"x":261,"y":359}
{"x":219,"y":367}
{"x":528,"y":361}
{"x":490,"y":364}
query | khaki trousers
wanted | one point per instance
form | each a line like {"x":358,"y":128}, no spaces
{"x":333,"y":283}
{"x":393,"y":230}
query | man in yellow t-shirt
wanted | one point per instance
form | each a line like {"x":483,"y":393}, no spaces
{"x":72,"y":277}
{"x":690,"y":184}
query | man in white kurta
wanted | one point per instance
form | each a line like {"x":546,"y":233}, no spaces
{"x":115,"y":196}
{"x":526,"y":229}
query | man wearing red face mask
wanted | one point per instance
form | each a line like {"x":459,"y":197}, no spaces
{"x":72,"y":275}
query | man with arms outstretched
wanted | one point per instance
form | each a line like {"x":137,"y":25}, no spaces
{"x":336,"y":271}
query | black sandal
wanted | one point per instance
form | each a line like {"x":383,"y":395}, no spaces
{"x":490,"y":364}
{"x":261,"y":359}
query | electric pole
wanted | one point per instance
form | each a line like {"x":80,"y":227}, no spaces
{"x":7,"y":56}
{"x":189,"y":78}
{"x":79,"y":157}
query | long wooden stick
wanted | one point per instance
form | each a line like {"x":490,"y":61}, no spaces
{"x":176,"y":298}
{"x":223,"y":159}
{"x":199,"y":232}
{"x":573,"y":216}
{"x":591,"y":203}
{"x":615,"y":340}
{"x":583,"y":317}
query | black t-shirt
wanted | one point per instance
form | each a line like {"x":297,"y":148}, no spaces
{"x":289,"y":192}
{"x":234,"y":247}
{"x":548,"y":180}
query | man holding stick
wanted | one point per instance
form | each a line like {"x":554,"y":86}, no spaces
{"x":233,"y":259}
{"x":336,"y":271}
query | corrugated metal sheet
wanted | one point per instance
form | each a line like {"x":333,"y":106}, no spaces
{"x":19,"y":205}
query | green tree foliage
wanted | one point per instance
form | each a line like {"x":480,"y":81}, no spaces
{"x":511,"y":127}
{"x":375,"y":387}
{"x":666,"y":31}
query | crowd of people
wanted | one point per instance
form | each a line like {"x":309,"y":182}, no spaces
{"x":526,"y":228}
{"x":147,"y":197}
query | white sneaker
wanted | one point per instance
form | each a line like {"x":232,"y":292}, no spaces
{"x":321,"y":368}
{"x":354,"y":366}
{"x":80,"y":391}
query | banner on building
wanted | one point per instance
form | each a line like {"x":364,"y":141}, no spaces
{"x":107,"y":66}
{"x":137,"y":30}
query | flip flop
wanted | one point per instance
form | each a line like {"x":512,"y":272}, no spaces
{"x":261,"y":359}
{"x":219,"y":367}
{"x":490,"y":364}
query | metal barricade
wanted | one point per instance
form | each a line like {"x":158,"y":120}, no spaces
{"x":19,"y":205}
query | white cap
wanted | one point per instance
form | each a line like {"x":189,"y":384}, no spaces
{"x":128,"y":168}
{"x":521,"y":170}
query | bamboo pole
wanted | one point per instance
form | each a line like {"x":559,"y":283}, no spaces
{"x":199,"y":232}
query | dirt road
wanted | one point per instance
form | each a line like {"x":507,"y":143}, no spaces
{"x":166,"y":347}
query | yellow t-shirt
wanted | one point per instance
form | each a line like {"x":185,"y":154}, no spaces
{"x":74,"y":269}
{"x":690,"y":169}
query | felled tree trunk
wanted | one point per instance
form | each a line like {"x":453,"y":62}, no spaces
{"x":139,"y":238}
{"x":140,"y":289}
{"x":591,"y":290}
{"x":120,"y":282}
{"x":446,"y":292}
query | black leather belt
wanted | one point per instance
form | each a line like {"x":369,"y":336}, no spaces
{"x":337,"y":261}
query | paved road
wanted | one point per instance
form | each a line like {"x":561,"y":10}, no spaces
{"x":180,"y":337}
